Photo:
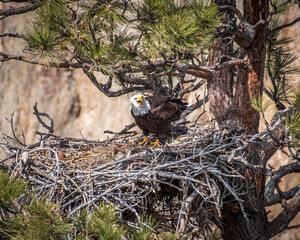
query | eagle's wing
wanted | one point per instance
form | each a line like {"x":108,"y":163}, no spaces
{"x":166,"y":108}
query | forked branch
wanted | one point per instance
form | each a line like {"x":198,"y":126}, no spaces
{"x":50,"y":127}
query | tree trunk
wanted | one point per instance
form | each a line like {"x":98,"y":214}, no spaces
{"x":230,"y":100}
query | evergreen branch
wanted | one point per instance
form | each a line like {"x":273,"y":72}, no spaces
{"x":281,"y":222}
{"x":283,"y":26}
{"x":275,"y":8}
{"x":20,"y":10}
{"x":276,"y":198}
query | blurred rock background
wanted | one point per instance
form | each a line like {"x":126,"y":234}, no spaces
{"x":78,"y":108}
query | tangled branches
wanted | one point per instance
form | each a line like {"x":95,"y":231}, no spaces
{"x":185,"y":185}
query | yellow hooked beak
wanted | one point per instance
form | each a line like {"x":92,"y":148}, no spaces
{"x":140,"y":101}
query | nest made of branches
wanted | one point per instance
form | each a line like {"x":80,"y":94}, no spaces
{"x":183,"y":184}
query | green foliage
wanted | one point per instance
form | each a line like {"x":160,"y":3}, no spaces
{"x":293,"y":121}
{"x":144,"y":231}
{"x":178,"y":29}
{"x":293,"y":126}
{"x":80,"y":224}
{"x":282,"y":9}
{"x":40,"y":220}
{"x":103,"y":35}
{"x":105,"y":15}
{"x":105,"y":224}
{"x":46,"y":32}
{"x":44,"y":41}
{"x":280,"y":64}
{"x":215,"y":235}
{"x":10,"y":190}
{"x":258,"y":105}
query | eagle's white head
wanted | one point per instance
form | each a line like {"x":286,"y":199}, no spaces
{"x":140,"y":106}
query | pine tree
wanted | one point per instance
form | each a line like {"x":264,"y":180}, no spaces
{"x":159,"y":47}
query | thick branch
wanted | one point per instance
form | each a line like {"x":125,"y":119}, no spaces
{"x":205,"y":72}
{"x":281,"y":222}
{"x":194,"y":70}
{"x":276,"y":198}
{"x":278,"y":175}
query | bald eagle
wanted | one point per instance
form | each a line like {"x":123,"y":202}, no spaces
{"x":155,"y":115}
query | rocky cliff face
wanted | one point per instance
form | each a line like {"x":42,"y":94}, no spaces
{"x":77,"y":107}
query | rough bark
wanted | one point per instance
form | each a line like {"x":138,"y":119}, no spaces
{"x":229,"y":99}
{"x":230,"y":103}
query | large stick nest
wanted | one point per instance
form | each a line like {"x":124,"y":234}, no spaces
{"x":183,"y":184}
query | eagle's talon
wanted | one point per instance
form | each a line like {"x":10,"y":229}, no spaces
{"x":155,"y":143}
{"x":145,"y":140}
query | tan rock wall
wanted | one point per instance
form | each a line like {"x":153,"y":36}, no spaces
{"x":77,"y":107}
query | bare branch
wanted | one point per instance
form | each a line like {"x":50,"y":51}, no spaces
{"x":16,"y":1}
{"x":275,"y":178}
{"x":105,"y":88}
{"x":276,"y":198}
{"x":194,"y":106}
{"x":192,"y":69}
{"x":20,"y":10}
{"x":11,"y":121}
{"x":38,"y":114}
{"x":13,"y":35}
{"x":124,"y":131}
{"x":281,"y":222}
{"x":7,"y":57}
{"x":283,"y":26}
{"x":231,"y":63}
{"x":191,"y":88}
{"x":232,"y":8}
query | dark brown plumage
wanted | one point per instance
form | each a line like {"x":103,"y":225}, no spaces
{"x":158,"y":117}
